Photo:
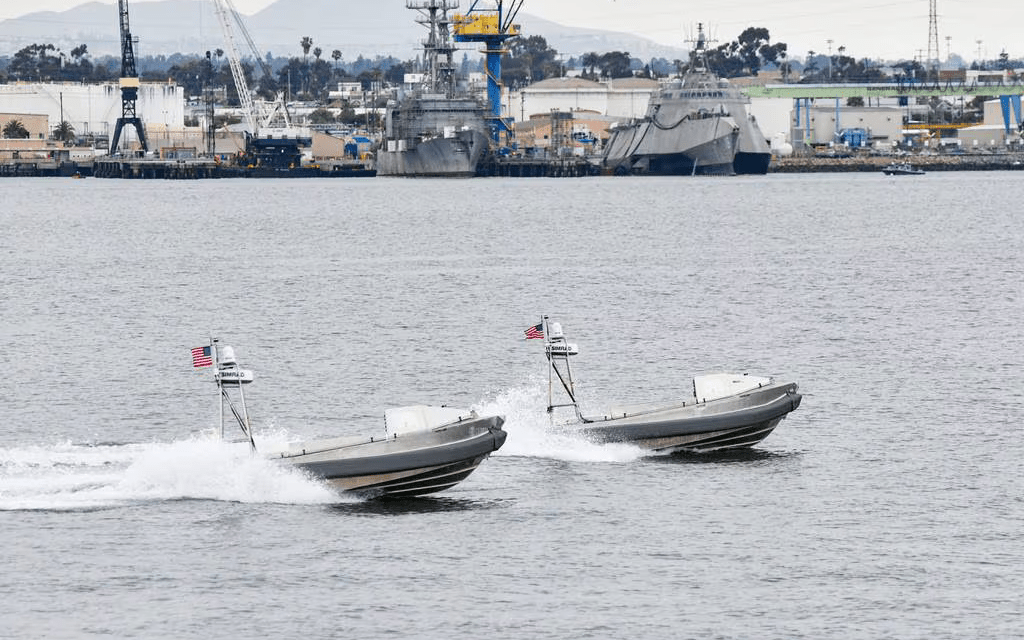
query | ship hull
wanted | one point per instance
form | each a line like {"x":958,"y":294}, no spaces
{"x":753,"y":155}
{"x":747,"y":163}
{"x":704,"y":146}
{"x":458,"y":156}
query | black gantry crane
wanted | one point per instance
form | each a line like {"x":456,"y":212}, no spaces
{"x":129,"y":84}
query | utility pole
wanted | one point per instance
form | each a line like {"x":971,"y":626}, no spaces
{"x":933,"y":37}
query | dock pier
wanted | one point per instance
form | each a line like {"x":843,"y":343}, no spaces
{"x":136,"y":168}
{"x":520,"y":167}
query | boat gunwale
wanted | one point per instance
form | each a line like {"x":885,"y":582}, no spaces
{"x":623,"y":430}
{"x":475,"y":427}
{"x":789,"y":388}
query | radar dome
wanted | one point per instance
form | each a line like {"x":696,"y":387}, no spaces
{"x":227,"y":355}
{"x":555,"y":331}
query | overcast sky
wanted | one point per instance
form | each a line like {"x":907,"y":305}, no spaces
{"x":866,"y":28}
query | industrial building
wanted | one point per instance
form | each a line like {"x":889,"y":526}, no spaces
{"x":93,"y":109}
{"x":619,"y":98}
{"x":855,"y":126}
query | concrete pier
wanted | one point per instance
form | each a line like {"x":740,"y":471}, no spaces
{"x":516,"y":167}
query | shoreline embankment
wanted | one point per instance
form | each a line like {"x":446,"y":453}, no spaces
{"x":936,"y":162}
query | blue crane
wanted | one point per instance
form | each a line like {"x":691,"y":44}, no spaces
{"x":492,"y":26}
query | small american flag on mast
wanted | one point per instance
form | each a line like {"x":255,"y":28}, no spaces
{"x":535,"y":332}
{"x":201,"y":357}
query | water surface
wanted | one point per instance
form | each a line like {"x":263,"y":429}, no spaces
{"x":888,"y":505}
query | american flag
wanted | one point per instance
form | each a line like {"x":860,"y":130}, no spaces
{"x":536,"y":331}
{"x":201,"y":357}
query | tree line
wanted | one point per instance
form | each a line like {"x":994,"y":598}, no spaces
{"x":310,"y":75}
{"x":314,"y":73}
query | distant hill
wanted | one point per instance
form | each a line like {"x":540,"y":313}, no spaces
{"x":359,"y":28}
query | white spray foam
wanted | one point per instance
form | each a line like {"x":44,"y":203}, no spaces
{"x":531,"y":432}
{"x":77,"y":477}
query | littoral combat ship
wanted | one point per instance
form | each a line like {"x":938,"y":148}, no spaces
{"x":434,"y":130}
{"x":694,"y":125}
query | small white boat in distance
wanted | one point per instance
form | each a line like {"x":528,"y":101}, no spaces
{"x":719,"y":411}
{"x":422,"y":449}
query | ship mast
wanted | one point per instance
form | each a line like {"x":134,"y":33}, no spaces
{"x":699,"y":74}
{"x":438,"y":48}
{"x":699,"y":55}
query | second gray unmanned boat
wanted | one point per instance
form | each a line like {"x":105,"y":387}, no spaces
{"x":422,"y":449}
{"x":720,"y":411}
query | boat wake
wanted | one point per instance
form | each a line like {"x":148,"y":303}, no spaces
{"x":72,"y":477}
{"x":531,"y":432}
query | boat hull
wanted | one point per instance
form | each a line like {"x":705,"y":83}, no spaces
{"x":732,"y":422}
{"x":405,"y":464}
{"x":902,"y":172}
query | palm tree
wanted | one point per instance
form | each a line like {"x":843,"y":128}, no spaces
{"x":64,"y":131}
{"x":336,"y":54}
{"x":306,"y":43}
{"x":317,"y":52}
{"x":14,"y":129}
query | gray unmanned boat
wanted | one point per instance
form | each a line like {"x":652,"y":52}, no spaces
{"x":422,"y":449}
{"x":719,"y":411}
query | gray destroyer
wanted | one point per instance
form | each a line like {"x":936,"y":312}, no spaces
{"x":434,"y":130}
{"x":697,"y":124}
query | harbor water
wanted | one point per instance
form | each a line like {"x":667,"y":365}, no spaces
{"x":888,"y":505}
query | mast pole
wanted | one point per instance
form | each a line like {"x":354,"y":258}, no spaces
{"x":220,"y":385}
{"x":551,"y":363}
{"x":572,"y":385}
{"x":564,"y":378}
{"x":245,"y":416}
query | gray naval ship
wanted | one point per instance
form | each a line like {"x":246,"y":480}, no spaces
{"x":434,"y":130}
{"x":697,"y":124}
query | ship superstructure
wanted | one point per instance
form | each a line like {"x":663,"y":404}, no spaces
{"x":696,"y":124}
{"x":701,"y":87}
{"x":434,"y":129}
